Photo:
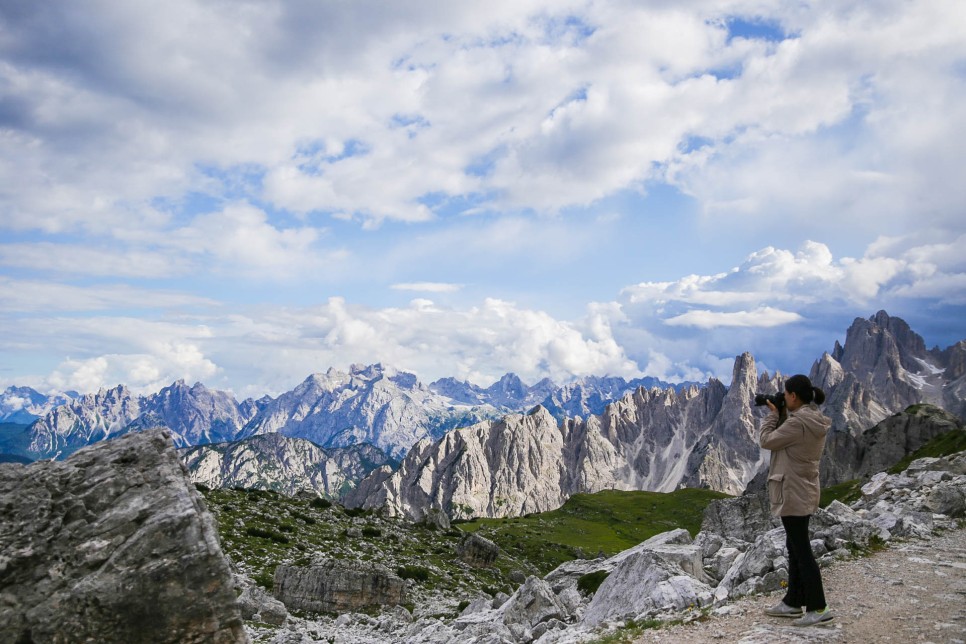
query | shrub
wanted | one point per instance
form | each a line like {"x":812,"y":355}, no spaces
{"x":369,"y":531}
{"x":320,"y":503}
{"x":589,"y":583}
{"x":265,"y":579}
{"x":460,"y":607}
{"x":302,"y":517}
{"x":201,"y":487}
{"x":356,"y":512}
{"x":419,"y":573}
{"x":266,"y":534}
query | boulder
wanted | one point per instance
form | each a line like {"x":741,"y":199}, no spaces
{"x":477,"y":551}
{"x":645,"y":584}
{"x":755,"y":563}
{"x":947,"y":498}
{"x":741,"y":517}
{"x":837,"y":525}
{"x":113,"y":544}
{"x":534,"y":602}
{"x":337,"y":586}
{"x":258,"y":605}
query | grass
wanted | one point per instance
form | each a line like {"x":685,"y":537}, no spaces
{"x":875,"y":544}
{"x":587,"y":524}
{"x":634,"y":629}
{"x":943,"y":445}
{"x":847,"y":492}
{"x":259,"y":530}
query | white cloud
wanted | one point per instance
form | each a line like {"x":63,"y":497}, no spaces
{"x":153,"y":143}
{"x":566,"y":112}
{"x":429,"y":287}
{"x":75,"y":259}
{"x":764,"y":316}
{"x":483,"y":342}
{"x":142,"y":373}
{"x":241,"y":236}
{"x":40,"y":297}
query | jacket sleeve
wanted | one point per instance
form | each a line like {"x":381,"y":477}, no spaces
{"x":775,"y":438}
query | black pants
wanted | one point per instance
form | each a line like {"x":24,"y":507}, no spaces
{"x":804,"y":579}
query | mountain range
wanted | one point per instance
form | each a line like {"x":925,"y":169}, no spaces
{"x":374,"y":404}
{"x":660,"y":440}
{"x":510,"y":448}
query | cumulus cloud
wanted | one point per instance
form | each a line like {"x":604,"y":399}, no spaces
{"x":480,"y":343}
{"x":142,"y":373}
{"x":538,"y":105}
{"x":252,"y":140}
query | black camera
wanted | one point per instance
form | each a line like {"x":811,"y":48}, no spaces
{"x":778,"y":400}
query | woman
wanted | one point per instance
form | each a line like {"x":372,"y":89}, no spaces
{"x":796,"y":447}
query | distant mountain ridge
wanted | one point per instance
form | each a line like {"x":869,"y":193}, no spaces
{"x":470,"y":452}
{"x":286,"y":465}
{"x":373,"y":404}
{"x":24,"y":405}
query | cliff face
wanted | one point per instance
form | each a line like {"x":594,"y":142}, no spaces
{"x":652,"y":440}
{"x":112,"y":545}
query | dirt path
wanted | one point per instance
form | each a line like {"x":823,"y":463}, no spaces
{"x":913,"y":592}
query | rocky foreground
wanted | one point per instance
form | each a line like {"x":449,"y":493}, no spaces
{"x":115,"y":545}
{"x":112,"y":545}
{"x":670,"y":578}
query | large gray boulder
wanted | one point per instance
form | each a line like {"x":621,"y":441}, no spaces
{"x":742,"y":517}
{"x":112,"y":545}
{"x":643,"y":585}
{"x":477,"y":551}
{"x":335,"y":586}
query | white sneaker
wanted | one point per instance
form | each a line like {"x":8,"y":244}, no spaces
{"x":815,"y":617}
{"x":781,"y":609}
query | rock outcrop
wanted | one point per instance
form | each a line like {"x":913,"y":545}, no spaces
{"x":337,"y":586}
{"x":888,"y":442}
{"x":276,"y":462}
{"x":112,"y":545}
{"x":478,"y":551}
{"x":650,"y":440}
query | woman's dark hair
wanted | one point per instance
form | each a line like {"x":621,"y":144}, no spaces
{"x":801,"y":386}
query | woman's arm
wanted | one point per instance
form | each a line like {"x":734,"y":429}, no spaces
{"x":780,"y":437}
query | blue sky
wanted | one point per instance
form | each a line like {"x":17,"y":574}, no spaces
{"x":243,"y":193}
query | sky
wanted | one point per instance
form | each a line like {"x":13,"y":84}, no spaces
{"x":243,"y":193}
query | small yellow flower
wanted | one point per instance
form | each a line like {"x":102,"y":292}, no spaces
{"x":783,"y":584}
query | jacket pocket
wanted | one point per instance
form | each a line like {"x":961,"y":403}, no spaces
{"x":775,"y":493}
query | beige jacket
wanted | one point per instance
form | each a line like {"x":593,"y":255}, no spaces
{"x":796,"y":448}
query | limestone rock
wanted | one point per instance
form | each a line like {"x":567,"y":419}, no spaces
{"x":743,"y":517}
{"x":534,"y":602}
{"x":112,"y":545}
{"x":267,"y":462}
{"x":477,"y":551}
{"x":642,"y":585}
{"x":948,"y":499}
{"x":337,"y":586}
{"x":258,"y":605}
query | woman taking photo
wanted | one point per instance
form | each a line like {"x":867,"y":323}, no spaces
{"x":796,"y":447}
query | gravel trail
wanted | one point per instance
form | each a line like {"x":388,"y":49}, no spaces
{"x":912,"y":592}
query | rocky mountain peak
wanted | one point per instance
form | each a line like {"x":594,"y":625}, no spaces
{"x":509,"y":387}
{"x":744,"y":375}
{"x":826,"y":372}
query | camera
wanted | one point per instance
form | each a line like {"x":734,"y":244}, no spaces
{"x":778,"y":400}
